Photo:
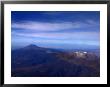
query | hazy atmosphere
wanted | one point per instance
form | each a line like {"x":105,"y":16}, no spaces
{"x":55,"y":44}
{"x":56,"y":29}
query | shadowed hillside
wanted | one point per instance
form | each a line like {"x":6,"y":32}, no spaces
{"x":34,"y":61}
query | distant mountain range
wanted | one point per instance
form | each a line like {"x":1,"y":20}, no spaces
{"x":35,"y":61}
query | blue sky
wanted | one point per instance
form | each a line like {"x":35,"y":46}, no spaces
{"x":67,"y":30}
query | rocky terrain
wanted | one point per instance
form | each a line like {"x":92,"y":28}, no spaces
{"x":34,"y":61}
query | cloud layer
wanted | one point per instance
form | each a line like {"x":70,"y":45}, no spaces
{"x":56,"y":29}
{"x":47,"y":26}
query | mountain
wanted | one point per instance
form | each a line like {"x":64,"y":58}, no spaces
{"x":32,"y":46}
{"x":30,"y":55}
{"x":88,"y":59}
{"x":35,"y":61}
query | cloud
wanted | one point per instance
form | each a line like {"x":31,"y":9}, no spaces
{"x":61,"y":36}
{"x":46,"y":32}
{"x":78,"y":38}
{"x":39,"y":26}
{"x":47,"y":26}
{"x":93,"y":23}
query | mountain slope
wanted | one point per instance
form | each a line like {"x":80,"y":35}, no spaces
{"x":45,"y":62}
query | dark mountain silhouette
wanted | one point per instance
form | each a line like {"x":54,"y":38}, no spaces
{"x":32,"y":61}
{"x":32,"y":46}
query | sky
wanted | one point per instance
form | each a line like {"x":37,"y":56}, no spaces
{"x":56,"y":29}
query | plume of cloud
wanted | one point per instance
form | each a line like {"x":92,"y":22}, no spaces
{"x":47,"y":26}
{"x":62,"y":36}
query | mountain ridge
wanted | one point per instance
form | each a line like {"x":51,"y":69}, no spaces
{"x":50,"y":61}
